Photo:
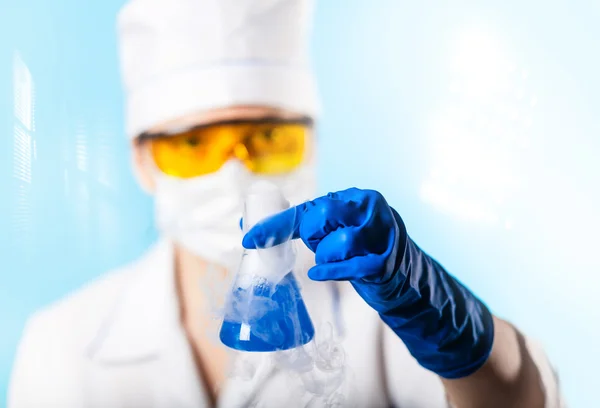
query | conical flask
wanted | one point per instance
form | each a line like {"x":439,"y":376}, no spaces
{"x":265,"y":311}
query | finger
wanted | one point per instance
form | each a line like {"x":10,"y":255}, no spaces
{"x":354,"y":268}
{"x":341,"y":245}
{"x":326,"y":215}
{"x":276,"y":229}
{"x":311,"y":221}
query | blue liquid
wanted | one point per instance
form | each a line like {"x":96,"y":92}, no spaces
{"x":274,"y":318}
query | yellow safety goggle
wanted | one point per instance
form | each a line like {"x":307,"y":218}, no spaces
{"x":265,"y":146}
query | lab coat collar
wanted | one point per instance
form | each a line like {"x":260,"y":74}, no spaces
{"x":144,"y":328}
{"x":145,"y":312}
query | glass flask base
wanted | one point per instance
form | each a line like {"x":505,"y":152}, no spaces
{"x":266,"y":317}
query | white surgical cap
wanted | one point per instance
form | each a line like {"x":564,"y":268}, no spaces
{"x":183,"y":56}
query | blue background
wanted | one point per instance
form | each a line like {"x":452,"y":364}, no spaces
{"x":478,"y":122}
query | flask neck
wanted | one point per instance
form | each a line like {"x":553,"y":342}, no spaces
{"x":270,"y":263}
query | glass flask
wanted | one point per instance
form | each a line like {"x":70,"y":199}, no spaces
{"x":265,"y":311}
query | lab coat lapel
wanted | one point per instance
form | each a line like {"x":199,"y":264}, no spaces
{"x":145,"y":330}
{"x":179,"y":374}
{"x":250,"y":372}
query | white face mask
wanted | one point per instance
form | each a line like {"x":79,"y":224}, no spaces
{"x":203,"y":214}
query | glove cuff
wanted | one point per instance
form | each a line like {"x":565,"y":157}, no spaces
{"x":445,"y":326}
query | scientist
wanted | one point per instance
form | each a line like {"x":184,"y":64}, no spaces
{"x":219,"y":94}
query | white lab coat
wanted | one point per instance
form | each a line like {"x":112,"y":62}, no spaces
{"x":117,"y":343}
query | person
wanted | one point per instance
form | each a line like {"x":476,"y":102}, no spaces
{"x":220,"y":94}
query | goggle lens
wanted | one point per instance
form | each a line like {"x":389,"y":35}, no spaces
{"x":265,"y":147}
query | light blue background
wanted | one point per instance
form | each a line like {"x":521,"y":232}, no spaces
{"x":479,"y":122}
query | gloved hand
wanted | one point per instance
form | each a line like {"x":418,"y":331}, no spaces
{"x":356,"y":236}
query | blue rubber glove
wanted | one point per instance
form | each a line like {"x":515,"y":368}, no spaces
{"x":356,"y":236}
